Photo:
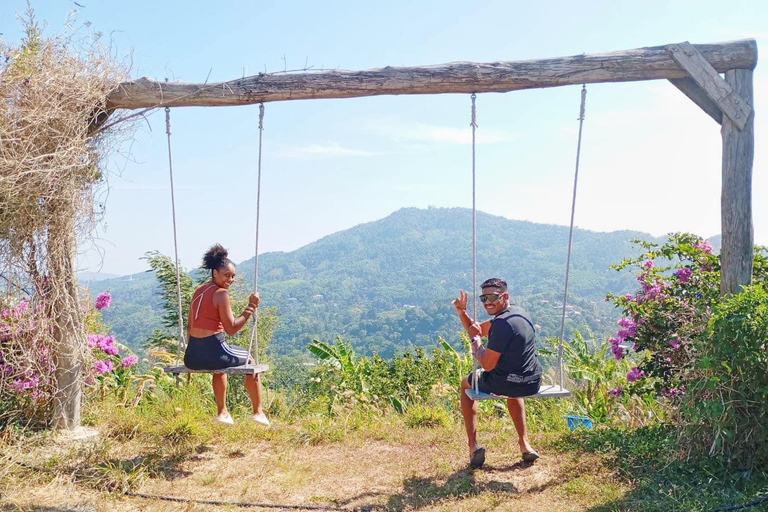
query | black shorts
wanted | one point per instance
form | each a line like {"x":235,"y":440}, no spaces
{"x":490,"y":382}
{"x":213,"y":353}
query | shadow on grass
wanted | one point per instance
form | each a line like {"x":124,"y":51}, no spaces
{"x":663,"y":479}
{"x":419,"y":492}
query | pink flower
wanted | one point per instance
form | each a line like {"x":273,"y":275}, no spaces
{"x":93,"y":340}
{"x":104,"y":366}
{"x":648,"y":264}
{"x":617,"y":391}
{"x":704,"y":245}
{"x":102,"y":300}
{"x":111,"y":350}
{"x":683,"y":274}
{"x":628,"y":296}
{"x":627,"y":333}
{"x":129,"y":360}
{"x":22,"y":307}
{"x":104,"y":342}
{"x":673,"y":392}
{"x":27,"y":383}
{"x":634,"y":374}
{"x":674,"y":342}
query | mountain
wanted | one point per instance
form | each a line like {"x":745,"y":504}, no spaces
{"x":387,"y":285}
{"x":88,"y":277}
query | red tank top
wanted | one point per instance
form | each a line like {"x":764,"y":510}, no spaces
{"x":202,"y":312}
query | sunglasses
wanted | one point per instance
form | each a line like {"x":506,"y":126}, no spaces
{"x":490,"y":297}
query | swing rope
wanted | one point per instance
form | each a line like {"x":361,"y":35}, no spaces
{"x":473,"y":124}
{"x":254,"y":329}
{"x":175,"y":237}
{"x":582,"y":111}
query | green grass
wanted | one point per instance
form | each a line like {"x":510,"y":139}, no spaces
{"x":172,"y":438}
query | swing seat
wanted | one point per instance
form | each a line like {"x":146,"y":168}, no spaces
{"x":248,"y":369}
{"x":546,"y":391}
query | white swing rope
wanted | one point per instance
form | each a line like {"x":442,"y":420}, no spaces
{"x":473,"y":124}
{"x":254,"y":329}
{"x":175,"y":238}
{"x":582,"y":110}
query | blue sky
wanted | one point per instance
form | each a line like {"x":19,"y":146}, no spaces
{"x":650,"y":158}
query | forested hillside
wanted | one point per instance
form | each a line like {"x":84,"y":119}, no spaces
{"x":387,"y":285}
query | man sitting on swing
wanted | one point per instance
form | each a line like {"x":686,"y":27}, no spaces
{"x":510,"y":362}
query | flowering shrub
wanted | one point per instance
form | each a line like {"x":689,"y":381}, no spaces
{"x":26,"y":363}
{"x":703,"y":353}
{"x":27,"y":367}
{"x":679,"y":286}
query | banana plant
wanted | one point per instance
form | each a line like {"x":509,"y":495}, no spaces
{"x":341,"y":356}
{"x":592,"y":370}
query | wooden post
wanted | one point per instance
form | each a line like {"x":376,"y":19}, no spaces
{"x":736,"y":197}
{"x":68,"y":331}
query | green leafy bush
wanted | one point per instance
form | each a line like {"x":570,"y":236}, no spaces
{"x":726,"y":404}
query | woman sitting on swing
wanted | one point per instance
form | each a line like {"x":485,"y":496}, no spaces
{"x":210,"y":316}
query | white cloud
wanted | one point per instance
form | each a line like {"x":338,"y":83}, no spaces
{"x":328,"y":150}
{"x":398,"y":131}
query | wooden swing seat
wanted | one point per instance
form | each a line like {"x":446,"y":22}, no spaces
{"x":248,"y":369}
{"x":546,"y":391}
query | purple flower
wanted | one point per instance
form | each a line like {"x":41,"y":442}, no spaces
{"x":104,"y":366}
{"x":111,"y":350}
{"x":618,"y":352}
{"x":674,"y":341}
{"x":129,"y":360}
{"x":22,"y":307}
{"x":20,"y":384}
{"x":704,"y":245}
{"x":626,"y":322}
{"x":104,"y":342}
{"x":617,"y":391}
{"x":673,"y":392}
{"x":683,"y":274}
{"x":648,"y":264}
{"x":93,"y":340}
{"x":614,"y":341}
{"x":102,"y":300}
{"x":628,"y":296}
{"x":5,"y":332}
{"x":634,"y":374}
{"x":626,"y":333}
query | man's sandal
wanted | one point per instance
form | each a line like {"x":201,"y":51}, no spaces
{"x":478,"y":458}
{"x":530,"y":456}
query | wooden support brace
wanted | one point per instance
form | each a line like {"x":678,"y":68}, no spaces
{"x":696,"y":94}
{"x":711,"y":83}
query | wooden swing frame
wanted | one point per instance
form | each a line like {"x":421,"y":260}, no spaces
{"x":693,"y":69}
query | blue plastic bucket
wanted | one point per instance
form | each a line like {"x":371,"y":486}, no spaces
{"x":575,"y":421}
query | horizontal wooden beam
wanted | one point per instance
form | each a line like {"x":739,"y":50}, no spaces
{"x":458,"y":77}
{"x":711,"y":83}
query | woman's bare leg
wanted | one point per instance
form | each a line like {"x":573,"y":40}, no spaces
{"x":220,"y":393}
{"x":253,"y":386}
